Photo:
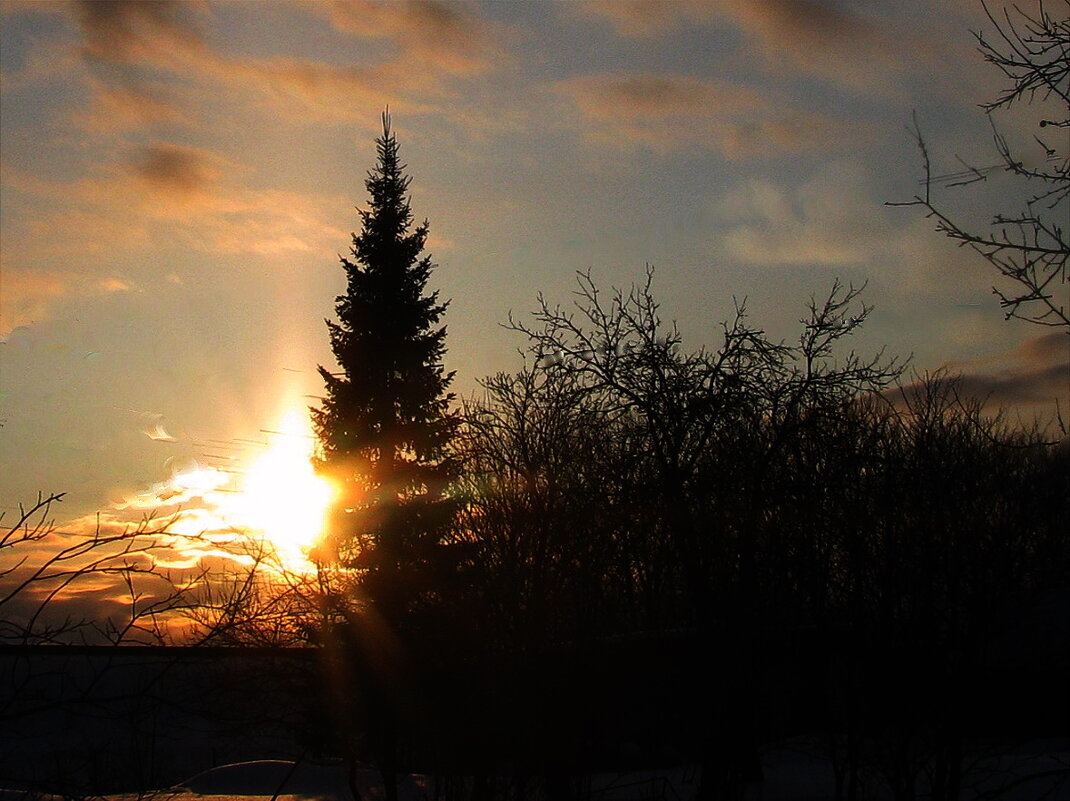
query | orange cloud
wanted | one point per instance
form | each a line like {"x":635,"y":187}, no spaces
{"x":640,"y":96}
{"x":643,"y":17}
{"x":1025,"y":388}
{"x":441,"y":34}
{"x":119,"y":108}
{"x":87,"y":568}
{"x":432,"y":41}
{"x":1032,"y":376}
{"x":1047,"y":349}
{"x":170,"y":190}
{"x":737,"y":121}
{"x":27,"y":295}
{"x":822,"y":39}
{"x":115,"y":285}
{"x":44,"y":63}
{"x":12,"y":7}
{"x":177,"y":170}
{"x":137,"y":31}
{"x":328,"y":92}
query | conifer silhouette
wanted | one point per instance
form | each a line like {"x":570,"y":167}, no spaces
{"x":385,"y":422}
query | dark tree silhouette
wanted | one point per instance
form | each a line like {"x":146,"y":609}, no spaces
{"x":797,"y":543}
{"x":41,"y":567}
{"x":384,"y":429}
{"x":385,"y":422}
{"x":1029,"y":246}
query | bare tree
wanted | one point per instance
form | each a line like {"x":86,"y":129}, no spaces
{"x":1030,"y":246}
{"x":621,"y":473}
{"x":109,"y":588}
{"x":44,"y":567}
{"x":257,"y":600}
{"x":755,"y":494}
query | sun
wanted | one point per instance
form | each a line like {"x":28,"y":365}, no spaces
{"x":282,"y":496}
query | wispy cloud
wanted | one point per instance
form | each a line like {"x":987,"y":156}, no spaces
{"x":830,"y":41}
{"x":27,"y":296}
{"x":173,"y":189}
{"x":147,"y":77}
{"x":432,"y":42}
{"x":138,"y":31}
{"x":1009,"y":388}
{"x":1033,"y":376}
{"x":161,"y":36}
{"x":642,"y":18}
{"x":823,"y":39}
{"x":177,"y":171}
{"x":115,"y":285}
{"x":835,"y":219}
{"x":448,"y":36}
{"x":114,"y":108}
{"x":665,"y":112}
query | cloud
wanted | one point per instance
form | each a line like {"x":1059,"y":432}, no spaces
{"x":27,"y":296}
{"x":822,"y":39}
{"x":87,"y":568}
{"x":10,"y":8}
{"x":1030,"y":377}
{"x":640,"y":18}
{"x":640,"y":96}
{"x":159,"y":196}
{"x":1032,"y":387}
{"x":666,"y":112}
{"x":432,"y":41}
{"x":818,"y":37}
{"x":137,"y":31}
{"x":178,"y":170}
{"x":162,"y":192}
{"x":773,"y":224}
{"x":300,"y":87}
{"x":1047,"y":349}
{"x":115,"y":109}
{"x":115,"y":285}
{"x":836,"y":219}
{"x":819,"y":24}
{"x":159,"y":35}
{"x":44,"y":63}
{"x":443,"y":35}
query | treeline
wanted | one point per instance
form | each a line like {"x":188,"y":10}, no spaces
{"x":637,"y":487}
{"x":776,"y":515}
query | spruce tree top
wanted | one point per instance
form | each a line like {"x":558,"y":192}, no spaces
{"x":385,"y":422}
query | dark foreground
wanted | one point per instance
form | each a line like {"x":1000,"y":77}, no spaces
{"x":631,"y":720}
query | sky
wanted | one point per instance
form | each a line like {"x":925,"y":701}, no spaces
{"x":178,"y":179}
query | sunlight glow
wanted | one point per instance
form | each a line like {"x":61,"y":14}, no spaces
{"x":274,"y":499}
{"x":281,"y":494}
{"x":200,"y":480}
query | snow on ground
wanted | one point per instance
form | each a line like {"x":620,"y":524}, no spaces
{"x":794,"y":771}
{"x":270,"y":777}
{"x":330,"y":783}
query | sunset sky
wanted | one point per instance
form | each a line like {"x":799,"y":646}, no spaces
{"x":178,"y":179}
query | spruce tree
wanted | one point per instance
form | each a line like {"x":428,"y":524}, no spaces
{"x":385,"y":423}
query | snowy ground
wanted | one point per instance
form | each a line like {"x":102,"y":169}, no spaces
{"x":794,"y":771}
{"x":138,"y":741}
{"x":1035,"y":771}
